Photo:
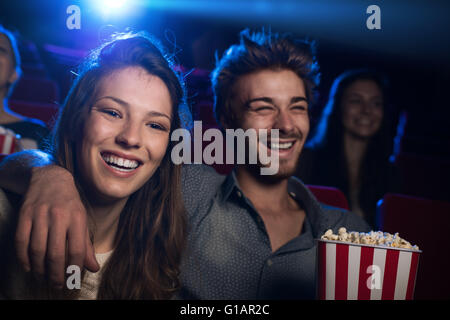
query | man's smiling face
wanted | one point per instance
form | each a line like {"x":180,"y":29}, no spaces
{"x":274,"y":99}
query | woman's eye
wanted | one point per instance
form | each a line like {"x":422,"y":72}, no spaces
{"x":112,"y":113}
{"x":157,"y":126}
{"x":379,"y":104}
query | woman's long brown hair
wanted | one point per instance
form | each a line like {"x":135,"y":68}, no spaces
{"x":151,"y":231}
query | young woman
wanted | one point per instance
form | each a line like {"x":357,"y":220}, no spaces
{"x":351,"y":146}
{"x":113,"y":135}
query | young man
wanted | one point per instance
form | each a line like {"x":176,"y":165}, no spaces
{"x":251,"y":236}
{"x":255,"y":238}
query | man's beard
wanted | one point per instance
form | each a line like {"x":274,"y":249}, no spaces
{"x":285,"y":170}
{"x":286,"y":167}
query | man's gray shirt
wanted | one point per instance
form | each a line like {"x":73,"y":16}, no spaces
{"x":228,"y":255}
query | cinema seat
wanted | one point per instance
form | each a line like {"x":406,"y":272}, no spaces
{"x":36,"y":89}
{"x":47,"y":112}
{"x":330,"y":196}
{"x":204,"y":111}
{"x":423,"y":176}
{"x":423,"y":222}
{"x":2,"y":156}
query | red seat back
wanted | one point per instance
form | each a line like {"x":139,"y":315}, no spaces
{"x":425,"y":223}
{"x":36,"y":89}
{"x":46,"y":112}
{"x":330,"y":196}
{"x":423,"y":176}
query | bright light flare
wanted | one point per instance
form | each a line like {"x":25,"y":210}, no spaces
{"x":109,"y":7}
{"x":113,"y":4}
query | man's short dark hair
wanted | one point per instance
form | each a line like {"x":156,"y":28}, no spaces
{"x":260,"y":51}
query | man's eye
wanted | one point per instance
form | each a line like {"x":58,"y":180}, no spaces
{"x":263,"y":108}
{"x":302,"y":108}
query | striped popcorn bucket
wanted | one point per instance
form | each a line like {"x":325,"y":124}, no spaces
{"x":7,"y":143}
{"x":347,"y":271}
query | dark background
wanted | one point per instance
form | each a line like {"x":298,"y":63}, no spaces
{"x":412,"y":48}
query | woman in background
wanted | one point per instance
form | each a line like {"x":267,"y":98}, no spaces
{"x":352,"y":143}
{"x":32,"y":132}
{"x":113,"y":136}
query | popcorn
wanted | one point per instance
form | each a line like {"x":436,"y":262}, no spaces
{"x":378,"y":238}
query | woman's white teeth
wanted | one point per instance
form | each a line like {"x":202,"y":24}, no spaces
{"x":363,"y":121}
{"x":285,"y":145}
{"x":120,"y":163}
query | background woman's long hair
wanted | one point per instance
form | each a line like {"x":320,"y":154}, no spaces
{"x":329,"y":143}
{"x":151,"y":231}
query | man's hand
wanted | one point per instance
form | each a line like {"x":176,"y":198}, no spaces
{"x":52,"y":215}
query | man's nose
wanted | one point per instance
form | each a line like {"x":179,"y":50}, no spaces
{"x":284,"y":122}
{"x":129,"y":136}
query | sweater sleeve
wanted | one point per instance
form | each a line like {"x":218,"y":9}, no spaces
{"x":8,"y":286}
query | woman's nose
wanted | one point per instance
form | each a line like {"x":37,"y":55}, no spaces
{"x":129,"y":136}
{"x":364,"y":107}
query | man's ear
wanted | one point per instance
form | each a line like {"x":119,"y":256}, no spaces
{"x":229,"y":121}
{"x":223,"y":122}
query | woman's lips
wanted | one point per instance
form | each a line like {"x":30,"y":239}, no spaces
{"x":119,"y":165}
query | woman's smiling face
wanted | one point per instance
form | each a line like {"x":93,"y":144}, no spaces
{"x":362,"y":108}
{"x":126,"y":134}
{"x":8,"y":74}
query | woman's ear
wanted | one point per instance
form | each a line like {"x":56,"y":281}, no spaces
{"x":77,"y":134}
{"x":13,"y":77}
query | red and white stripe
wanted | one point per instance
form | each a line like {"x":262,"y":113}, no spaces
{"x":7,"y":143}
{"x":344,"y":271}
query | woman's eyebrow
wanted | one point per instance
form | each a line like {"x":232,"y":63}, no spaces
{"x":127,"y":105}
{"x":158,"y":114}
{"x":355,"y":94}
{"x":117,"y":100}
{"x":358,"y":94}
